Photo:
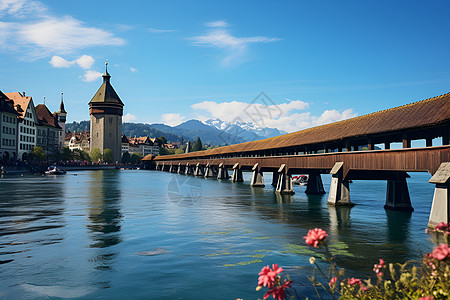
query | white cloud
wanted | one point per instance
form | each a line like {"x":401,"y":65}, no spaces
{"x":235,"y":48}
{"x":39,"y":34}
{"x":91,"y":75}
{"x":20,"y":8}
{"x":59,"y":62}
{"x":217,"y":24}
{"x":128,"y":118}
{"x":64,"y":35}
{"x":84,"y":61}
{"x":154,"y":30}
{"x":134,"y":70}
{"x":172,"y":119}
{"x":285,"y":116}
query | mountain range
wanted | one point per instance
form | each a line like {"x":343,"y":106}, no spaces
{"x":212,"y":132}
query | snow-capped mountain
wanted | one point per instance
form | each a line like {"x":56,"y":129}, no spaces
{"x":244,"y":130}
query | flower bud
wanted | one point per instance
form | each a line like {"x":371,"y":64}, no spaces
{"x":312,"y":260}
{"x":258,"y":288}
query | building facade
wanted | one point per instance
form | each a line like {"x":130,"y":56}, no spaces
{"x":77,"y":140}
{"x":8,"y":128}
{"x":48,"y":131}
{"x":106,"y":110}
{"x":27,"y":121}
{"x":140,"y":145}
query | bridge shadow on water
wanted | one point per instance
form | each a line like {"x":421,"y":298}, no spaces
{"x":365,"y":232}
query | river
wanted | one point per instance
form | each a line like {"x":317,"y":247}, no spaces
{"x":138,"y":234}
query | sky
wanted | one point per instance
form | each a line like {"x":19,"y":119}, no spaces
{"x":314,"y":62}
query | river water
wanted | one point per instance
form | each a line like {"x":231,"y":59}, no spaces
{"x":128,"y":234}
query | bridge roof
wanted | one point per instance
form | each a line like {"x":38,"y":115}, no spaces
{"x":421,"y":114}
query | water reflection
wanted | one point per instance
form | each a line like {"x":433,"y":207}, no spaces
{"x":28,"y":206}
{"x":105,"y":216}
{"x":339,"y":218}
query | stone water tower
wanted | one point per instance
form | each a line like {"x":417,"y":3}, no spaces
{"x":106,"y":110}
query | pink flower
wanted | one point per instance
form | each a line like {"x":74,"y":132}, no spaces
{"x":378,"y":267}
{"x":426,"y":298}
{"x":278,"y":293}
{"x":332,"y":281}
{"x":362,"y":287}
{"x":267,"y":275}
{"x":441,"y":252}
{"x":314,"y":236}
{"x":353,"y":281}
{"x":441,"y":226}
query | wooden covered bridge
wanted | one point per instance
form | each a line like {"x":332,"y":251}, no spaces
{"x":333,"y":148}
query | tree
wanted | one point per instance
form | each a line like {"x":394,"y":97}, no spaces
{"x":108,"y":155}
{"x":78,"y":154}
{"x":96,"y":155}
{"x":179,"y":151}
{"x":67,"y":154}
{"x":38,"y":154}
{"x":135,"y":158}
{"x":126,"y":158}
{"x":197,"y":145}
{"x":161,"y":140}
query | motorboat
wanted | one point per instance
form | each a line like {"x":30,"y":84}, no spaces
{"x":55,"y":171}
{"x":300,"y":180}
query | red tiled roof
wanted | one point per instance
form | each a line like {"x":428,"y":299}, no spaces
{"x":45,"y":117}
{"x":23,"y":101}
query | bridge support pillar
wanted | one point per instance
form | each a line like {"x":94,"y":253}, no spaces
{"x":397,"y":195}
{"x":275,"y":178}
{"x":198,"y":170}
{"x":257,"y":178}
{"x":315,"y":185}
{"x":179,"y":168}
{"x":163,"y":167}
{"x":223,"y":172}
{"x":157,"y":167}
{"x":171,"y":168}
{"x":209,"y":172}
{"x":284,"y":185}
{"x":188,"y":170}
{"x":237,"y":173}
{"x":440,"y":209}
{"x":339,"y":189}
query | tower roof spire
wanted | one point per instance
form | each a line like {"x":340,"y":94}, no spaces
{"x":106,"y":76}
{"x":61,"y":106}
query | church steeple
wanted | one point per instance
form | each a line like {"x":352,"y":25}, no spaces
{"x":106,"y":76}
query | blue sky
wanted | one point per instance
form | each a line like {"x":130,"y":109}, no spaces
{"x":170,"y":61}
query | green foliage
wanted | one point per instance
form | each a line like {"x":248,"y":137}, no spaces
{"x":96,"y":155}
{"x":66,"y":154}
{"x":164,"y":151}
{"x":108,"y":155}
{"x":135,"y":158}
{"x":38,"y":154}
{"x":82,"y":155}
{"x":197,"y":145}
{"x":126,"y":158}
{"x":161,"y":140}
{"x":179,"y":151}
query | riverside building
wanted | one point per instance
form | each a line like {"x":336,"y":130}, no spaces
{"x":48,"y":130}
{"x":106,"y":110}
{"x":8,"y":128}
{"x":27,"y":121}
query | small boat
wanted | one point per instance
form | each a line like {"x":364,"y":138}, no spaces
{"x":55,"y":171}
{"x":300,"y":180}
